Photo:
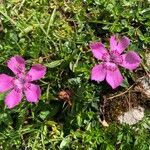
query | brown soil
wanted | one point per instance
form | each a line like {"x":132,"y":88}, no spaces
{"x":115,"y":104}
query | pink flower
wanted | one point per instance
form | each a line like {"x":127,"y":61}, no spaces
{"x":22,"y":82}
{"x":108,"y":69}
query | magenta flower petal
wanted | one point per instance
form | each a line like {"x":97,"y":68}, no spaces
{"x":113,"y":77}
{"x":33,"y":93}
{"x":119,"y":45}
{"x":16,"y":64}
{"x":113,"y":43}
{"x":98,"y":73}
{"x":36,"y":72}
{"x":123,"y":44}
{"x":98,"y":50}
{"x":131,"y":60}
{"x":5,"y":82}
{"x":13,"y":98}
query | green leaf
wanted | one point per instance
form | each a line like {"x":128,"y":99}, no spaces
{"x":54,"y":64}
{"x":44,"y":114}
{"x":2,"y":95}
{"x":64,"y":143}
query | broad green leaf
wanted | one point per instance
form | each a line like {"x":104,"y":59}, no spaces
{"x":54,"y":64}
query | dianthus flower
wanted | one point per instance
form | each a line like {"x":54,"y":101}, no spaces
{"x":21,"y":84}
{"x":108,"y":68}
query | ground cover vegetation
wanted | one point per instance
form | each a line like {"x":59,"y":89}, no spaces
{"x":57,"y":34}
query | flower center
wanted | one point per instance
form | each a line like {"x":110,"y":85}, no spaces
{"x":20,"y":84}
{"x":109,"y":66}
{"x":113,"y":57}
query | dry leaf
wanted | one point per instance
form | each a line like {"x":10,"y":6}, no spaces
{"x":104,"y":123}
{"x":143,"y":86}
{"x":148,"y":60}
{"x":65,"y":96}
